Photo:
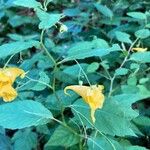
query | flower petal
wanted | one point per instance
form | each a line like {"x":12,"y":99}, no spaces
{"x":79,"y":89}
{"x":13,"y":73}
{"x":92,"y":95}
{"x":4,"y":79}
{"x":8,"y":93}
{"x":93,"y":115}
{"x":139,"y":49}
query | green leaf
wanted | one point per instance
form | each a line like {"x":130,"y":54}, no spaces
{"x":16,"y":47}
{"x":28,"y":3}
{"x":63,"y":137}
{"x":43,"y":80}
{"x":142,"y":57}
{"x":142,"y":121}
{"x":21,"y":114}
{"x":132,"y":80}
{"x":134,"y":66}
{"x":72,"y":12}
{"x":47,"y":20}
{"x":53,"y":104}
{"x":137,"y":15}
{"x":104,"y":10}
{"x":98,"y":142}
{"x":121,"y":71}
{"x":135,"y":148}
{"x":92,"y":67}
{"x":105,"y":64}
{"x":17,"y":20}
{"x":97,"y":47}
{"x":5,"y":142}
{"x":107,"y":118}
{"x":130,"y":89}
{"x":126,"y":100}
{"x":143,"y":33}
{"x":144,"y":80}
{"x":26,"y":140}
{"x":144,"y":91}
{"x":19,"y":37}
{"x":123,"y":37}
{"x":148,"y":25}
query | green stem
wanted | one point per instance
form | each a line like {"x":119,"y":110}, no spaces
{"x":95,"y":128}
{"x":54,"y":91}
{"x":66,"y":126}
{"x":34,"y":80}
{"x":83,"y":72}
{"x":8,"y":61}
{"x":55,"y":67}
{"x":122,"y":64}
{"x":45,"y":49}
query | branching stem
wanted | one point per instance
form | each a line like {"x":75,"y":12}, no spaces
{"x":122,"y":64}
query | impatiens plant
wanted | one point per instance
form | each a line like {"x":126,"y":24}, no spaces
{"x":91,"y":94}
{"x":74,"y":75}
{"x":7,"y":78}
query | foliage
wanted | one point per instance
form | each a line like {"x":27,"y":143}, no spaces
{"x":59,"y":43}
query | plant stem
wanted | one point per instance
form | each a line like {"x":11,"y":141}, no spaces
{"x":45,"y":49}
{"x":122,"y":64}
{"x":66,"y":126}
{"x":83,"y":72}
{"x":55,"y":67}
{"x":8,"y":61}
{"x":34,"y":80}
{"x":59,"y":100}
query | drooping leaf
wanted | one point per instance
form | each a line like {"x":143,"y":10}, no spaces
{"x":16,"y":47}
{"x":21,"y":114}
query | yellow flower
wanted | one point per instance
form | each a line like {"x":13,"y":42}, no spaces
{"x":139,"y":49}
{"x":13,"y":73}
{"x":7,"y":78}
{"x":8,"y":93}
{"x":92,"y":95}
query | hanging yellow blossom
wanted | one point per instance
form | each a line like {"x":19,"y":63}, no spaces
{"x":92,"y":95}
{"x":139,"y":49}
{"x":8,"y":93}
{"x":7,"y":78}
